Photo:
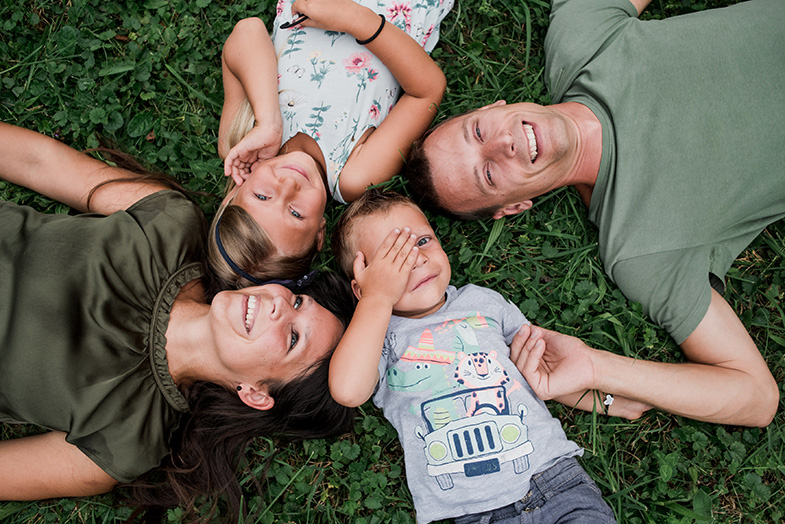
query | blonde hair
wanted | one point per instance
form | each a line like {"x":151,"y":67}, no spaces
{"x":249,"y":246}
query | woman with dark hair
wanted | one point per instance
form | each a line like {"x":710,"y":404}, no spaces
{"x":108,"y":339}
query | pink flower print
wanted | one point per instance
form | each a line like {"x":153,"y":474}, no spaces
{"x":428,"y":34}
{"x":356,"y":62}
{"x":398,"y":10}
{"x":279,"y":7}
{"x":374,"y":112}
{"x":372,"y":74}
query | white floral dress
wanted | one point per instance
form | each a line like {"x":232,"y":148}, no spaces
{"x":333,"y":89}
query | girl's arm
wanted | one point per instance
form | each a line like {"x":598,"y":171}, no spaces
{"x":382,"y":154}
{"x":57,"y":171}
{"x":46,"y":466}
{"x":355,"y":363}
{"x":250,"y":72}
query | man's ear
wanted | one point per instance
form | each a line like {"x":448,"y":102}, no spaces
{"x":497,"y":103}
{"x":513,"y":209}
{"x":320,"y":234}
{"x":256,"y":397}
{"x":356,"y":289}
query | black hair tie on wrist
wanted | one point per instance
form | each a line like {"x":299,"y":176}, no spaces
{"x":377,"y":33}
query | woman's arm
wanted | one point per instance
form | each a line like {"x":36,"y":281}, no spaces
{"x":378,"y":286}
{"x":250,"y":72}
{"x":46,"y":466}
{"x":57,"y":171}
{"x":382,"y":154}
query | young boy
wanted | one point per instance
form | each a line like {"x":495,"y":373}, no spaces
{"x":479,"y":446}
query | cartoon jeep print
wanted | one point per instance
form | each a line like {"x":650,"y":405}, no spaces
{"x":476,"y":444}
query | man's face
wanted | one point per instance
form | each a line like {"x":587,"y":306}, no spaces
{"x":501,"y":156}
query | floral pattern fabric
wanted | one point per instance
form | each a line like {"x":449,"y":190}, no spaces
{"x":333,"y":89}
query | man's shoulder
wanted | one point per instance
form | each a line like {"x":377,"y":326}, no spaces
{"x":578,"y":29}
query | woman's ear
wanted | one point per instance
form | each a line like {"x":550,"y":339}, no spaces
{"x":256,"y":397}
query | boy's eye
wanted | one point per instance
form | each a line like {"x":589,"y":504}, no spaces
{"x":293,"y":340}
{"x":477,"y":131}
{"x":298,"y":301}
{"x":421,"y":242}
{"x":488,"y":176}
{"x":295,"y":213}
{"x":260,"y":197}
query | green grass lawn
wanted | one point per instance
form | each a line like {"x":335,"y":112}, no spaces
{"x":146,"y":75}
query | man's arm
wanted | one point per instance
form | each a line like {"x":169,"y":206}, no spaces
{"x":726,"y":381}
{"x":640,"y":5}
{"x":46,"y":466}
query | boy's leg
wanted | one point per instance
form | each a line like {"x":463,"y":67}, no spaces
{"x":564,"y":493}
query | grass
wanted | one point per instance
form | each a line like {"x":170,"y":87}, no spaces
{"x":146,"y":75}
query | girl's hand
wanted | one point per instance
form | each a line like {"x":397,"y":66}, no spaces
{"x":345,"y":16}
{"x":261,"y":143}
{"x":386,"y":275}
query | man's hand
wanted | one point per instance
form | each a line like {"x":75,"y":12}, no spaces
{"x":261,"y":143}
{"x":554,"y":365}
{"x":386,"y":275}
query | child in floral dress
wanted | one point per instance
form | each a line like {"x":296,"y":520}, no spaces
{"x":328,"y":106}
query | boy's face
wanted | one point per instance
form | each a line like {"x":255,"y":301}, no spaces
{"x":425,"y":290}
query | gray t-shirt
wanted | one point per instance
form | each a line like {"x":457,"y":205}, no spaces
{"x":472,"y":430}
{"x":693,"y":123}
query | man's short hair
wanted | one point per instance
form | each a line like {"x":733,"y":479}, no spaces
{"x":371,"y":202}
{"x":419,"y":172}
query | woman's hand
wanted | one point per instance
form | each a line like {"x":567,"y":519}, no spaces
{"x":261,"y":143}
{"x":386,"y":275}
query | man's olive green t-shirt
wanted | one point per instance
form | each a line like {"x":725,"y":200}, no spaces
{"x":693,"y":121}
{"x":84,"y":306}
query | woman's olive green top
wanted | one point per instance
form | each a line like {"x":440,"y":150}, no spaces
{"x":84,"y":306}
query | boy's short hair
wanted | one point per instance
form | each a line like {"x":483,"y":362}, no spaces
{"x":371,"y":202}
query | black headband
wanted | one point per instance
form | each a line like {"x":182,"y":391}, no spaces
{"x":300,"y":282}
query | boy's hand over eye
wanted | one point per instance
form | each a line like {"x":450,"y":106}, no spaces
{"x":385,"y":276}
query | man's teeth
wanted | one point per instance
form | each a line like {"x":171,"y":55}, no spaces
{"x":249,"y":313}
{"x":532,"y":141}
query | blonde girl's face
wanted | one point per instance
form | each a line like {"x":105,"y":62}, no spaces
{"x":286,"y":195}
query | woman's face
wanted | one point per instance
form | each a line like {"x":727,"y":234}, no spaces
{"x":286,"y":196}
{"x":268,"y":333}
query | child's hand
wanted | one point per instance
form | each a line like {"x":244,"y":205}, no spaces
{"x":386,"y":275}
{"x":334,"y":15}
{"x":261,"y":143}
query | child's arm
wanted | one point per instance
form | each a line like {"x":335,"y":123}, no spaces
{"x":250,"y":71}
{"x":378,"y":286}
{"x":422,"y":81}
{"x":529,"y":341}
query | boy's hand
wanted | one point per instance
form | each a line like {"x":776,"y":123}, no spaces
{"x":386,"y":275}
